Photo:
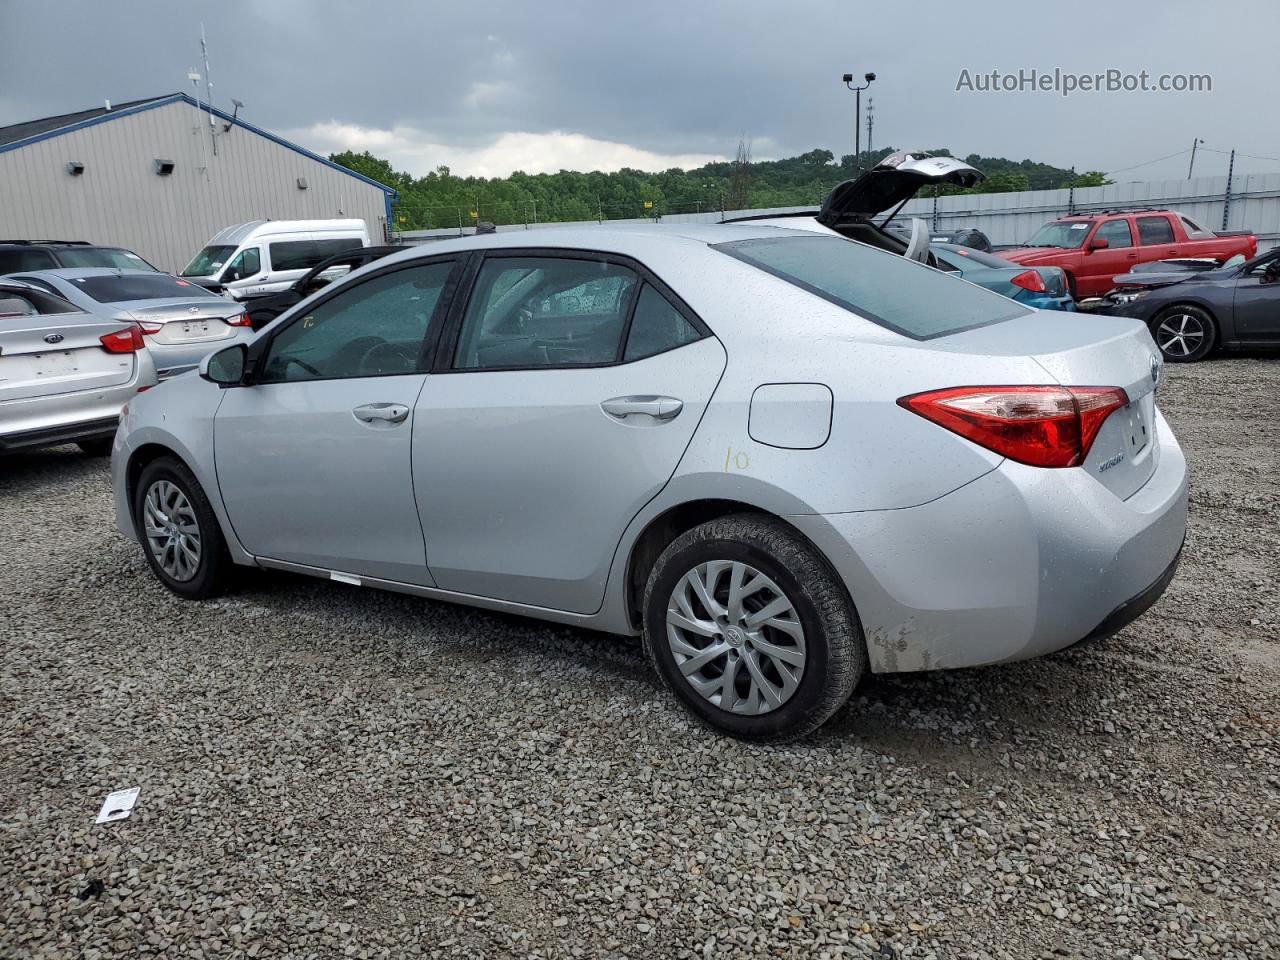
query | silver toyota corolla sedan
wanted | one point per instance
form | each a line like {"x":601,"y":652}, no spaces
{"x":783,"y":458}
{"x":181,"y":322}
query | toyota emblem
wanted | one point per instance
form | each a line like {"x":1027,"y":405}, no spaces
{"x":54,"y":338}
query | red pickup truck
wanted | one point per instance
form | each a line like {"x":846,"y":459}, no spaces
{"x":1093,"y":248}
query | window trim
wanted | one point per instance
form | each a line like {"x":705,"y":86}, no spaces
{"x":448,"y":344}
{"x":260,"y":349}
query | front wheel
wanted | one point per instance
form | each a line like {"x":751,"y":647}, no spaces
{"x":751,"y":629}
{"x":179,"y":531}
{"x":1184,"y":334}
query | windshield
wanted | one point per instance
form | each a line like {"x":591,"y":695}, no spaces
{"x":115,"y":257}
{"x":208,"y":261}
{"x":120,"y":287}
{"x":902,"y":295}
{"x":1068,"y":234}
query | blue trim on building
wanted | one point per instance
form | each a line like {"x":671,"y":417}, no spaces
{"x":390,"y":192}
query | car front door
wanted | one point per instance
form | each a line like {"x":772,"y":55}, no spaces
{"x":313,"y":456}
{"x":1100,"y":264}
{"x":1257,"y":301}
{"x":561,"y":404}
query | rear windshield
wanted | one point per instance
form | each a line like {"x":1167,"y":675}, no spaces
{"x":114,"y":257}
{"x":137,"y":286}
{"x":208,"y":261}
{"x":902,"y":295}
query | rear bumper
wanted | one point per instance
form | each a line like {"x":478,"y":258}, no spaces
{"x":1019,"y":563}
{"x":67,"y":417}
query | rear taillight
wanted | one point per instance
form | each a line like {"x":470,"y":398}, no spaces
{"x":128,"y":340}
{"x":1040,"y":426}
{"x":152,"y":328}
{"x":239,"y":320}
{"x":1030,"y":280}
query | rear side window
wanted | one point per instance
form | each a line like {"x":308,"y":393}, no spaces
{"x":901,"y":295}
{"x":1153,"y":230}
{"x":11,"y":261}
{"x":1195,"y":231}
{"x":656,"y":327}
{"x":305,"y":254}
{"x":30,"y":303}
{"x":137,"y":286}
{"x":529,"y":312}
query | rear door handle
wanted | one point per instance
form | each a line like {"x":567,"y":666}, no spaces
{"x":390,"y":412}
{"x":660,"y":408}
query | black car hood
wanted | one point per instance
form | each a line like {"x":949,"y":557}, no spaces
{"x":1161,"y":279}
{"x":892,"y":181}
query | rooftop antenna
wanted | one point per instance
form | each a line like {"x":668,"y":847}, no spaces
{"x":226,"y":127}
{"x":204,"y":151}
{"x":204,"y":54}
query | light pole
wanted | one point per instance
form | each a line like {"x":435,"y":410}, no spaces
{"x":1195,"y":142}
{"x":857,"y":115}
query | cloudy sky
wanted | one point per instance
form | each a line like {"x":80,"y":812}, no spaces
{"x":489,"y":86}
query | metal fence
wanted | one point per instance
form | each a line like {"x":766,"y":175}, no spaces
{"x":1242,"y":202}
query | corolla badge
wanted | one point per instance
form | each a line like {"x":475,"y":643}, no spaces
{"x":1156,"y":367}
{"x":54,"y":338}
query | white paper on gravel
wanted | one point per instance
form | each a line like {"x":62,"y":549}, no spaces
{"x":118,"y":805}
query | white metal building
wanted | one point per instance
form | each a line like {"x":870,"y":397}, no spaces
{"x":155,"y":176}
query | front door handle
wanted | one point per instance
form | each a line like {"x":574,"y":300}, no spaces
{"x":659,"y":408}
{"x":390,"y":412}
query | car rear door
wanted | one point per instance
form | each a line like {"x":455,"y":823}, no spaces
{"x":313,"y":458}
{"x":561,"y":403}
{"x":46,"y":354}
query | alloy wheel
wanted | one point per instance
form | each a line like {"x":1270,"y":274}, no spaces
{"x":1180,"y":335}
{"x":736,"y":637}
{"x":172,"y":530}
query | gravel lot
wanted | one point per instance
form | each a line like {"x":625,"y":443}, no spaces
{"x":327,"y":771}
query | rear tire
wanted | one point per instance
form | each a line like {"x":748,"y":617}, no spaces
{"x":1184,"y":334}
{"x":767,"y":680}
{"x":101,"y":447}
{"x":179,"y":531}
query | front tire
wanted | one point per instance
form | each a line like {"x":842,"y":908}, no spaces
{"x":1184,"y":334}
{"x":751,"y":630}
{"x":179,"y":531}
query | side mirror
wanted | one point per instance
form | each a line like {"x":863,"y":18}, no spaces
{"x":1098,"y":243}
{"x":226,"y":367}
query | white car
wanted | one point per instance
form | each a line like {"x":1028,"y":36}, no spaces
{"x":783,"y":458}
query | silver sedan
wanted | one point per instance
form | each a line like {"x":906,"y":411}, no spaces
{"x":181,"y":322}
{"x":783,"y":459}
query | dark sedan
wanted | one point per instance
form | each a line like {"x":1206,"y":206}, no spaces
{"x":1236,"y":307}
{"x":262,"y":310}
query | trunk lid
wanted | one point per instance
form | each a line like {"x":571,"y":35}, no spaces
{"x":893,"y":180}
{"x":1083,"y":350}
{"x":184,"y":321}
{"x":33,"y":366}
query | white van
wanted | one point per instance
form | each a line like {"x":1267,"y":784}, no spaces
{"x":265,"y":256}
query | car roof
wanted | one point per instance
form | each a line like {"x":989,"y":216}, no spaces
{"x":627,"y":240}
{"x":74,"y":273}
